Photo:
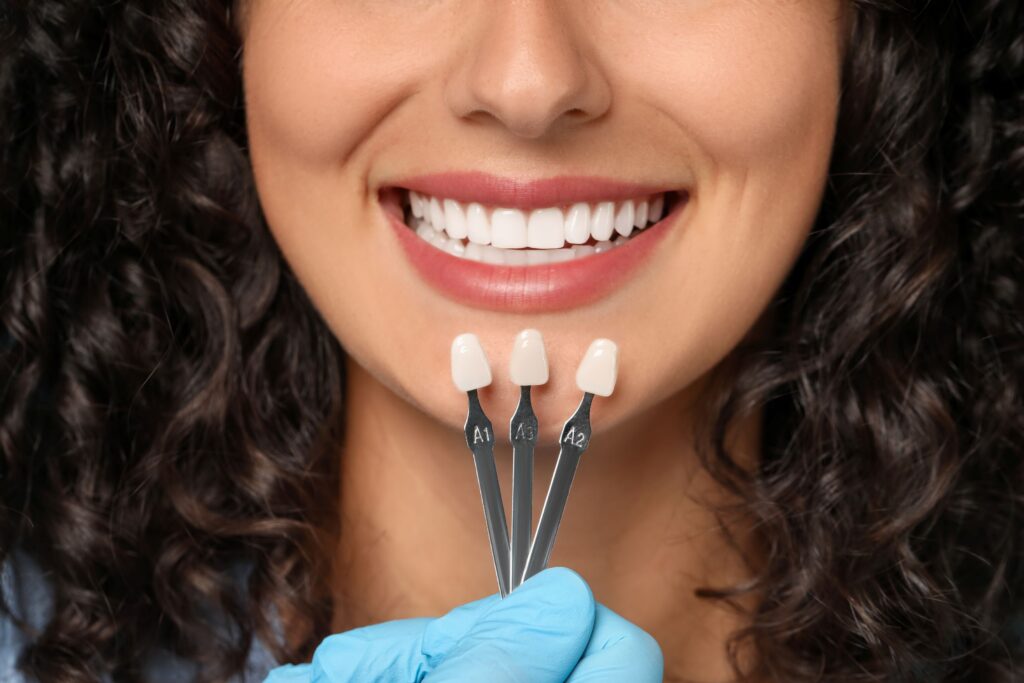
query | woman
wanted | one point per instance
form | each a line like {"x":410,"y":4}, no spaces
{"x":227,"y":422}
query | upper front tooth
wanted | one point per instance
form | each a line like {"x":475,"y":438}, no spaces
{"x":624,"y":219}
{"x":508,"y":229}
{"x":478,"y":227}
{"x":454,"y":219}
{"x":546,"y":229}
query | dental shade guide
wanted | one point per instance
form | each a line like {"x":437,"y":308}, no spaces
{"x":528,"y":366}
{"x":595,"y":375}
{"x":471,"y":371}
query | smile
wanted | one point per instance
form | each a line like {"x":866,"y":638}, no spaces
{"x":544,"y":245}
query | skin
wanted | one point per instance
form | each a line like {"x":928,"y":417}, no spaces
{"x":735,"y":100}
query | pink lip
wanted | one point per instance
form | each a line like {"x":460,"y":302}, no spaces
{"x":475,"y":186}
{"x":526,"y":289}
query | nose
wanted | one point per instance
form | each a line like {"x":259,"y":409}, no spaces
{"x":526,"y":70}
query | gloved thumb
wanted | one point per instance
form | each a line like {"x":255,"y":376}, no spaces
{"x":538,"y":634}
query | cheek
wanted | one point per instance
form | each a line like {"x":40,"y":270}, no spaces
{"x":317,"y":82}
{"x":754,"y":89}
{"x":754,"y":100}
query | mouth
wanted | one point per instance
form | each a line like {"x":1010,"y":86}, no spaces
{"x":547,"y":245}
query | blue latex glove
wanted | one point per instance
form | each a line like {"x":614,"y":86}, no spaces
{"x":549,"y":630}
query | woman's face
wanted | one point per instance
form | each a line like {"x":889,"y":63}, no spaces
{"x":729,"y":106}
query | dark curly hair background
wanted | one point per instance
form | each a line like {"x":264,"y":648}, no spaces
{"x":168,"y":392}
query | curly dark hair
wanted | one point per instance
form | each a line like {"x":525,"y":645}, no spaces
{"x":169,"y":392}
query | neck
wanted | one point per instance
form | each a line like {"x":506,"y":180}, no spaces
{"x":637,"y":526}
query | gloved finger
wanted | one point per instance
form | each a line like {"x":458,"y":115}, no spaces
{"x":388,"y":652}
{"x":289,"y":673}
{"x":536,"y":634}
{"x":382,"y":652}
{"x":618,"y":650}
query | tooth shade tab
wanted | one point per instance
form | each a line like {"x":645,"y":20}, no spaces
{"x":470,"y":368}
{"x":528,"y":365}
{"x":598,"y":369}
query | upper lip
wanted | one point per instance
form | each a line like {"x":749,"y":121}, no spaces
{"x":515,"y":193}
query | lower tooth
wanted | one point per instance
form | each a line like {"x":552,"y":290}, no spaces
{"x":455,"y":247}
{"x":486,"y":253}
{"x":493,"y":256}
{"x":515,"y":257}
{"x":536,"y":257}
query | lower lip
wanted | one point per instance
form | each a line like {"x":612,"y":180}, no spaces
{"x":530,"y":289}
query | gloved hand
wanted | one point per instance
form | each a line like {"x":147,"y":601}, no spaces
{"x":549,"y":630}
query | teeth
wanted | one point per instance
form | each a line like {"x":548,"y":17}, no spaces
{"x":505,"y":236}
{"x":416,"y":200}
{"x":486,"y":253}
{"x":640,"y":220}
{"x":546,"y":229}
{"x":577,"y":224}
{"x":454,"y":247}
{"x":624,"y":219}
{"x":508,"y":229}
{"x":454,"y":219}
{"x":656,"y":206}
{"x":478,"y":226}
{"x":436,"y":214}
{"x":601,"y":226}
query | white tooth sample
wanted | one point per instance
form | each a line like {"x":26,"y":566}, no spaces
{"x":417,"y":204}
{"x":545,"y":229}
{"x":508,"y":229}
{"x":640,"y":220}
{"x":619,"y":241}
{"x":603,"y":246}
{"x":454,"y":219}
{"x":583,"y":250}
{"x":528,"y":365}
{"x":602,"y":221}
{"x":599,"y":367}
{"x":656,"y":206}
{"x":470,"y":369}
{"x":436,"y":214}
{"x":624,"y":218}
{"x":478,"y":228}
{"x":577,"y":224}
{"x":474,"y":252}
